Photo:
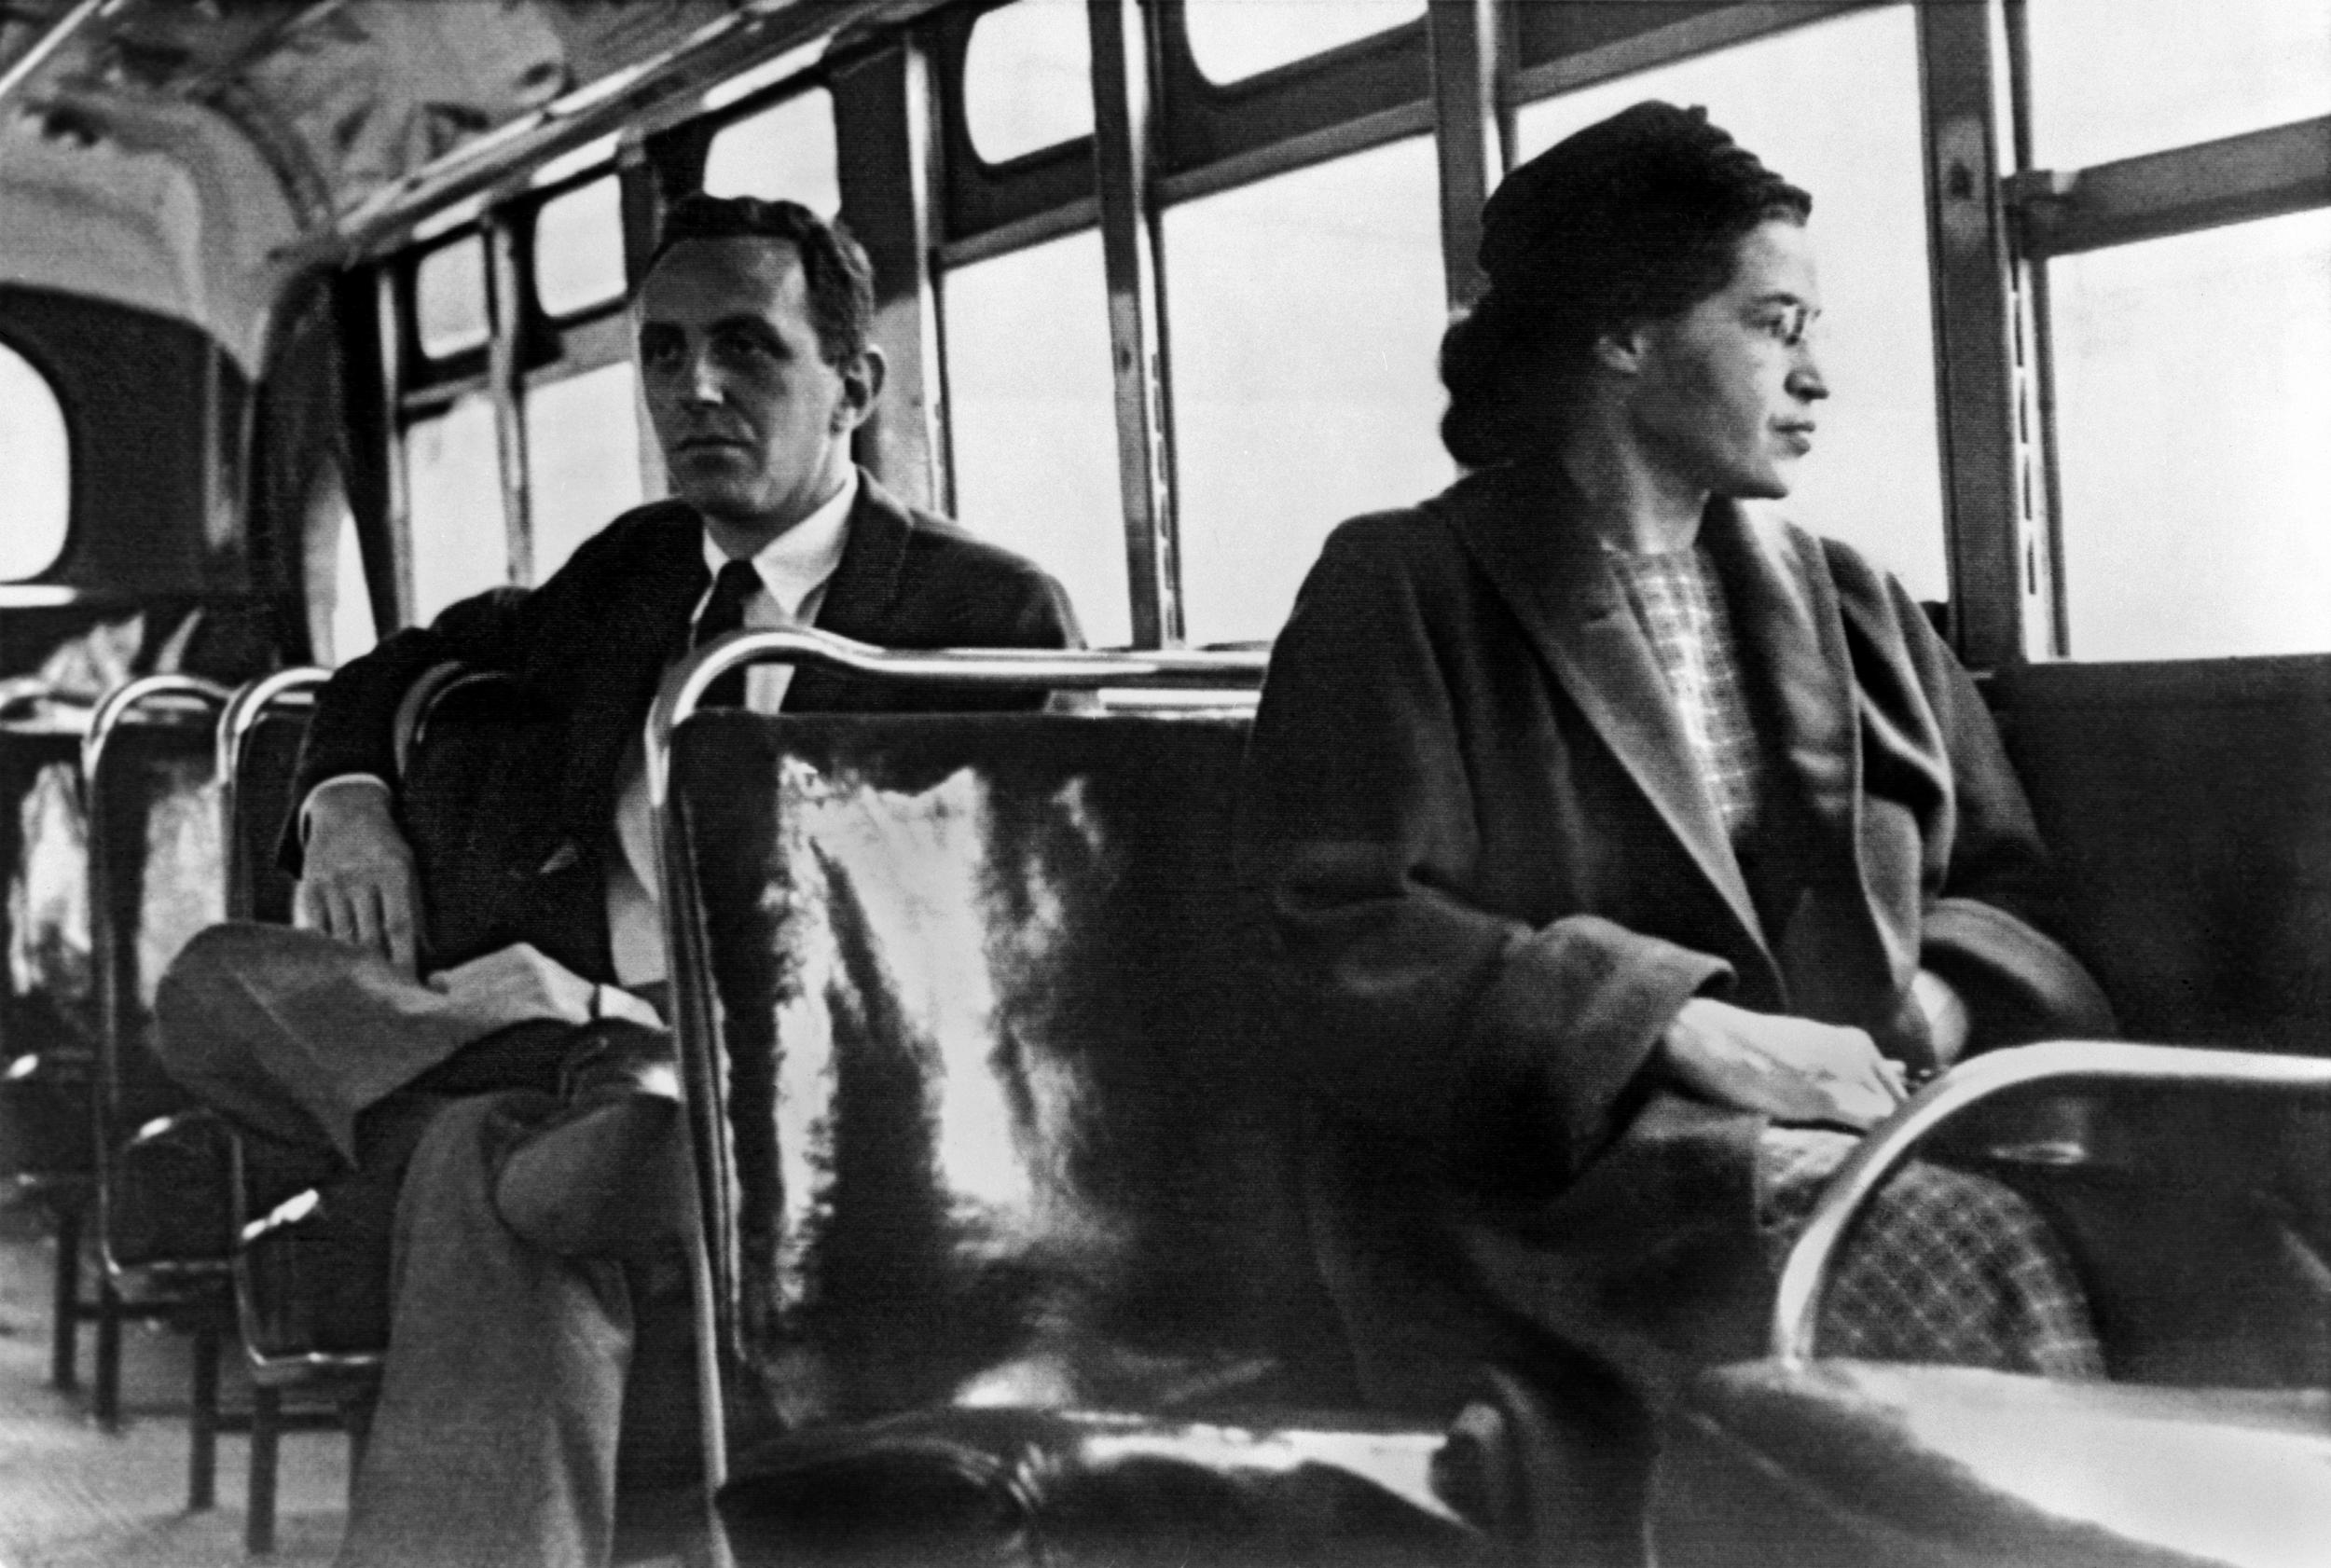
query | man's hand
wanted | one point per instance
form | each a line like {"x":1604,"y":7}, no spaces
{"x":359,"y":884}
{"x":1791,"y":1069}
{"x":517,"y":984}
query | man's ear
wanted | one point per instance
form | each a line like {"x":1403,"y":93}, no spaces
{"x":862,"y":387}
{"x":1624,"y":349}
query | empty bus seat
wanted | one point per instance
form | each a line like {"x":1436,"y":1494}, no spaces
{"x":1851,"y":1465}
{"x":2189,"y":807}
{"x":164,"y":1163}
{"x":48,"y":1007}
{"x":1006,"y":1261}
{"x":1824,"y":1463}
{"x":157,"y":877}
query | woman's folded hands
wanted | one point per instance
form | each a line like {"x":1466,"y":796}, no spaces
{"x":1792,"y":1069}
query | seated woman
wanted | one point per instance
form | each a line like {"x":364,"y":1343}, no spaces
{"x":1624,"y":854}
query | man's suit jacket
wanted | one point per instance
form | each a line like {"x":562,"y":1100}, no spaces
{"x":526,"y":856}
{"x":1491,"y":876}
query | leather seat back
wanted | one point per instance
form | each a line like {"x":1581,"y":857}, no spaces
{"x":48,"y":999}
{"x":999,"y":1122}
{"x":157,"y":877}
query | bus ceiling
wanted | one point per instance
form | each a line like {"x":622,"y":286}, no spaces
{"x":227,"y":147}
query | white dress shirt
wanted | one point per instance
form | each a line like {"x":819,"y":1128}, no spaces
{"x":794,"y":569}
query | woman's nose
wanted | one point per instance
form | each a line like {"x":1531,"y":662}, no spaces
{"x":1804,"y":377}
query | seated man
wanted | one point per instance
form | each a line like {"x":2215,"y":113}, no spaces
{"x":526,"y":1090}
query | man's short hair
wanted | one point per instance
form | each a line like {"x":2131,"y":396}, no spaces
{"x":833,"y":264}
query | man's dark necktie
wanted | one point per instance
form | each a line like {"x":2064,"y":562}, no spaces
{"x":724,"y":612}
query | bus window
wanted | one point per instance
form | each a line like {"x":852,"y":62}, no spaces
{"x":785,"y":151}
{"x":1305,"y":313}
{"x":578,"y":249}
{"x":583,"y":458}
{"x":1833,"y":107}
{"x":352,"y":631}
{"x":39,"y":496}
{"x":1032,"y":412}
{"x":1028,"y":79}
{"x":2113,"y":78}
{"x":1234,"y":39}
{"x":2193,"y":398}
{"x":449,"y":298}
{"x":454,"y":475}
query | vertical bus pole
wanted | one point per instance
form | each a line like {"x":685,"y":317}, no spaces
{"x":887,"y":156}
{"x":1471,"y":135}
{"x":384,"y":514}
{"x":641,"y":198}
{"x":505,"y":378}
{"x":1123,"y":132}
{"x":1989,"y":495}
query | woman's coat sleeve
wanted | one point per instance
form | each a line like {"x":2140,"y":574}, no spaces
{"x":1412,"y":1006}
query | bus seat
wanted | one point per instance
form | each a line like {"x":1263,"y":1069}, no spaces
{"x":2189,"y":806}
{"x":47,"y":1010}
{"x":313,"y":1299}
{"x":157,"y":877}
{"x":1858,"y":1463}
{"x":164,"y":1164}
{"x":2214,"y":1457}
{"x":309,"y":1309}
{"x":48,"y":1003}
{"x":258,"y":739}
{"x":1007,"y":1259}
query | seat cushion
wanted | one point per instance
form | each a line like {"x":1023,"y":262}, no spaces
{"x":170,"y":1197}
{"x":313,"y":1274}
{"x":1856,"y":1463}
{"x":45,"y":1118}
{"x":1017,"y":1486}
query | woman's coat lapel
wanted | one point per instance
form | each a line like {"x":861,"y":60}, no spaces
{"x":1520,"y":525}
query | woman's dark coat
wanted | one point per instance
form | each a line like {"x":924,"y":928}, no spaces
{"x":1492,"y":877}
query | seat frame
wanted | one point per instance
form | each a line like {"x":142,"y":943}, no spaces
{"x":1816,"y":1459}
{"x":2057,"y":1065}
{"x":191,"y":1291}
{"x":344,"y":1380}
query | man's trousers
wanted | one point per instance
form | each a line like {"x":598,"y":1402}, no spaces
{"x":504,"y":1393}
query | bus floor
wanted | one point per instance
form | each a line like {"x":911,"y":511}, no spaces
{"x":75,"y":1497}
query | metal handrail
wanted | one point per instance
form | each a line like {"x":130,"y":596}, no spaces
{"x":1805,"y":1277}
{"x":989,"y":668}
{"x":119,"y":704}
{"x":682,"y":691}
{"x":255,"y":700}
{"x":236,"y":722}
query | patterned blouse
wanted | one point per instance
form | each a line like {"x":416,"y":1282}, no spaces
{"x":1680,"y":601}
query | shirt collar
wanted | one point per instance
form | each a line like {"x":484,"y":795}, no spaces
{"x":794,"y":564}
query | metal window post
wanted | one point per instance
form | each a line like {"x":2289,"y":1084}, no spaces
{"x":1124,"y":134}
{"x":504,"y":379}
{"x":1473,"y":132}
{"x":1991,"y":501}
{"x":886,"y":150}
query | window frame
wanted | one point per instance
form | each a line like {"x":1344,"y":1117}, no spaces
{"x":917,"y":191}
{"x":29,"y":352}
{"x":2273,"y":171}
{"x":1038,"y":195}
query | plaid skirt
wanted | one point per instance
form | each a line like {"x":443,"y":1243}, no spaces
{"x":1944,"y":1266}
